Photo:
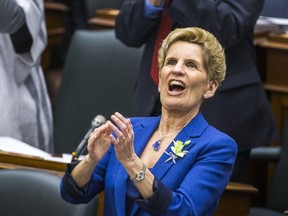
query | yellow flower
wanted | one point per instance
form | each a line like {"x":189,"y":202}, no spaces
{"x":177,"y":150}
{"x":178,"y":146}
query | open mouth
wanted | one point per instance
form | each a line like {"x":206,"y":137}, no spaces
{"x":176,"y":86}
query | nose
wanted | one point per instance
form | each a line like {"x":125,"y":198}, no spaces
{"x":178,"y":69}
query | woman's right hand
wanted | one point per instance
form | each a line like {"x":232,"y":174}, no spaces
{"x":99,"y":142}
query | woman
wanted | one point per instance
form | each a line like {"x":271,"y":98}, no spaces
{"x":174,"y":164}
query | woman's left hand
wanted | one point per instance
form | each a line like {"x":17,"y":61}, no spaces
{"x":124,"y":143}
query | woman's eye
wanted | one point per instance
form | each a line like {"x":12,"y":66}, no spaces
{"x":171,"y":62}
{"x":191,"y":65}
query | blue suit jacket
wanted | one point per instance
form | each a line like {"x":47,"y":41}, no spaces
{"x":197,"y":180}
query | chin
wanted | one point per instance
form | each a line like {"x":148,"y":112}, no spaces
{"x":172,"y":106}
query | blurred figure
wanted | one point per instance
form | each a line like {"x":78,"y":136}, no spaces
{"x":75,"y":18}
{"x":246,"y":115}
{"x":25,"y":110}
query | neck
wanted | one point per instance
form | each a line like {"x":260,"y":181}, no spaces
{"x":170,"y":123}
{"x":162,"y":136}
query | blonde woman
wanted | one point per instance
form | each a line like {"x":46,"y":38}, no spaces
{"x":173,"y":164}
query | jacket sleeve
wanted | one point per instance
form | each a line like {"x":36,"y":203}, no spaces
{"x":131,"y":27}
{"x":12,"y":16}
{"x":36,"y":33}
{"x":72,"y":193}
{"x":229,"y":20}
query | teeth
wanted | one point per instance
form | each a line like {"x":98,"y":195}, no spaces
{"x":176,"y":82}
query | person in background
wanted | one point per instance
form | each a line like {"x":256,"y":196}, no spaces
{"x":25,"y":109}
{"x":247,"y":115}
{"x":75,"y":18}
{"x":173,"y":164}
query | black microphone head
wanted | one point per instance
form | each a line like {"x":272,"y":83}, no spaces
{"x":98,"y":121}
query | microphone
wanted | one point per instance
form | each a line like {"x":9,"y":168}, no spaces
{"x":95,"y":123}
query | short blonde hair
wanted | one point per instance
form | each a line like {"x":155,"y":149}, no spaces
{"x":213,"y":53}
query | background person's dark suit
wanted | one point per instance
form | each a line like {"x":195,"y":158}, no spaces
{"x":241,"y":107}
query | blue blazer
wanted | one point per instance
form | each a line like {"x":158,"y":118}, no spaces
{"x":197,"y":180}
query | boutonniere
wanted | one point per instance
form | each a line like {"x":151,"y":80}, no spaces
{"x":177,"y":150}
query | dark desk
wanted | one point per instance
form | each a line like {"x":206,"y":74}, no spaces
{"x":272,"y":59}
{"x":18,"y":161}
{"x":104,"y":18}
{"x":272,"y":56}
{"x":236,"y":200}
{"x":54,"y":16}
{"x":101,"y":23}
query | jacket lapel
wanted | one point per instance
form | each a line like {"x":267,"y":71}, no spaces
{"x":194,"y":129}
{"x":143,"y":133}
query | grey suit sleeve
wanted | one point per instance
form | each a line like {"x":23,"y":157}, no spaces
{"x":12,"y":16}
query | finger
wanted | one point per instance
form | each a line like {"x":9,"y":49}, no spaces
{"x":130,"y":126}
{"x":107,"y":130}
{"x":120,"y":124}
{"x":117,"y":132}
{"x":124,"y":120}
{"x":91,"y":140}
{"x":114,"y":141}
{"x":98,"y":132}
{"x":121,"y":117}
{"x":120,"y":141}
{"x":123,"y":123}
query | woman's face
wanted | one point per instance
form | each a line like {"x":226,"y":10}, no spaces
{"x":183,"y":82}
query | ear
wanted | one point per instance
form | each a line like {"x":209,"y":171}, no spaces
{"x":212,"y":87}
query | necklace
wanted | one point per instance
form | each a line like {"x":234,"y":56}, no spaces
{"x":156,"y":146}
